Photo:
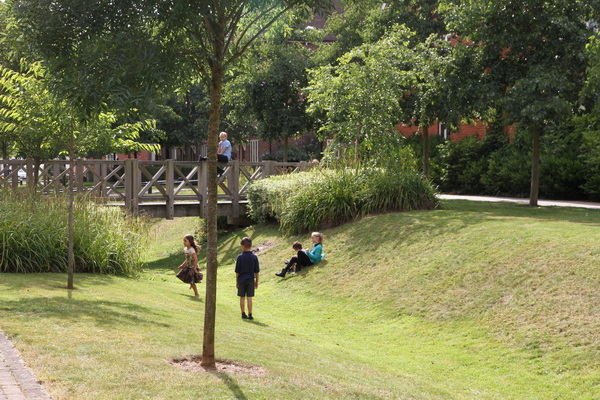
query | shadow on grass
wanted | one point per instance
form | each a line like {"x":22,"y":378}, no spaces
{"x":255,"y":322}
{"x":514,"y":210}
{"x":167,"y":264}
{"x":193,"y":299}
{"x":236,"y":390}
{"x":102,"y":312}
{"x":412,"y":227}
{"x":56,"y":281}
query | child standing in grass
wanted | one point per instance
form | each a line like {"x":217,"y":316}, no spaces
{"x":189,"y":267}
{"x":305,"y":258}
{"x":246,"y":276}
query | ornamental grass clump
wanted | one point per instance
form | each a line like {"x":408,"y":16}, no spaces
{"x":324,"y":198}
{"x":33,"y":236}
{"x":267,"y":197}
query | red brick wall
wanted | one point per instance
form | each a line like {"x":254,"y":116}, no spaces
{"x":140,"y":155}
{"x":464,"y":130}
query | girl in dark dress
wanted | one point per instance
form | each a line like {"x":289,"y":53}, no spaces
{"x":189,"y":267}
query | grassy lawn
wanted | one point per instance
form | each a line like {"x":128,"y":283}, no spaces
{"x":471,"y":301}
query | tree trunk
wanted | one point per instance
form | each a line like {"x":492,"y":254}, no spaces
{"x":285,"y":149}
{"x":535,"y":166}
{"x":4,"y":157}
{"x":71,"y":254}
{"x":208,"y":345}
{"x":425,"y":140}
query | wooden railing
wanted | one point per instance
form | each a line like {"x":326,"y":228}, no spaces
{"x":136,"y":185}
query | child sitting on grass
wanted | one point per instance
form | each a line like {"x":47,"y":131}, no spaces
{"x":303,"y":257}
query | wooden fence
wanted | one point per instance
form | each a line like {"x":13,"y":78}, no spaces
{"x":164,"y":189}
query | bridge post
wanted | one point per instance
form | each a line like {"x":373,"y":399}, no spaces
{"x":203,"y":187}
{"x":131,"y":185}
{"x":103,"y":173}
{"x":268,"y":169}
{"x":234,"y":187}
{"x":30,"y":182}
{"x":170,"y":187}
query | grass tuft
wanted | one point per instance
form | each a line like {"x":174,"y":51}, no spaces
{"x":323,"y":198}
{"x":33,"y":236}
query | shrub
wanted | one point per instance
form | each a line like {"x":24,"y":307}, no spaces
{"x":33,"y":236}
{"x":324,"y":198}
{"x":463,"y":166}
{"x":266,"y":197}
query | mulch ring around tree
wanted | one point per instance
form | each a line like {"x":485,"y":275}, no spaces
{"x":192,"y":363}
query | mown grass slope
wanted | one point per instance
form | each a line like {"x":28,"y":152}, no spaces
{"x":471,"y":301}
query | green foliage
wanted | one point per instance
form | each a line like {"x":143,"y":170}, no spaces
{"x":493,"y":166}
{"x":184,"y":117}
{"x":363,"y":97}
{"x":43,"y":126}
{"x":267,"y":91}
{"x":508,"y":171}
{"x":267,"y":197}
{"x":33,"y":236}
{"x":367,"y":21}
{"x":323,"y":198}
{"x":462,"y":166}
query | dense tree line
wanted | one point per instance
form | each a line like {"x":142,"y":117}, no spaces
{"x":531,"y":65}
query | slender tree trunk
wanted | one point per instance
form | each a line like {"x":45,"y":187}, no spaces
{"x":4,"y":156}
{"x":425,"y":141}
{"x":208,"y":345}
{"x":535,"y":166}
{"x":36,"y":171}
{"x":285,"y":149}
{"x":71,"y":254}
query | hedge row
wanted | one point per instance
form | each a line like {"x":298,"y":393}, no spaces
{"x":324,"y":198}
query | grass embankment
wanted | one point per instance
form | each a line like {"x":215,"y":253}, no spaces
{"x":472,"y":301}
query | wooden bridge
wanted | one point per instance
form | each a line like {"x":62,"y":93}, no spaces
{"x":164,"y":189}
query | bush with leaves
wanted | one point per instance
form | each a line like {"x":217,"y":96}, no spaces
{"x":324,"y":198}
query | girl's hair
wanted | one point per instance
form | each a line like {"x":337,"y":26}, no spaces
{"x":193,"y":244}
{"x":319,"y":235}
{"x":296,"y":245}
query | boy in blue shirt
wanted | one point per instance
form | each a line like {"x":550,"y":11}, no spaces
{"x":246,"y":275}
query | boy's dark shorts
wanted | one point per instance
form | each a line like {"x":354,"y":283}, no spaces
{"x":246,"y":289}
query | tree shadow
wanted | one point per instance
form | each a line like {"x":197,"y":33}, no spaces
{"x":236,"y":390}
{"x":53,"y":281}
{"x":73,"y":310}
{"x":166,"y":264}
{"x":516,"y":210}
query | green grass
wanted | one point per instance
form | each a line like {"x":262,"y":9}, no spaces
{"x":471,"y":301}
